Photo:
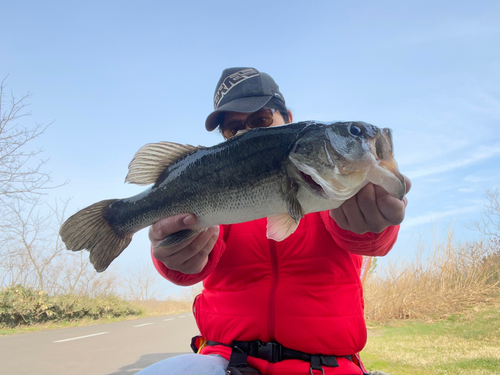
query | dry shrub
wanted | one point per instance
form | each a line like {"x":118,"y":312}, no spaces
{"x":26,"y":306}
{"x":172,"y":304}
{"x":454,"y":277}
{"x":166,"y":307}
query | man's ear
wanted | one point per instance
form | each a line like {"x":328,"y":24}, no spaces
{"x":290,"y":116}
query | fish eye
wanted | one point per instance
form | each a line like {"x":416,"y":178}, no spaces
{"x":355,"y":130}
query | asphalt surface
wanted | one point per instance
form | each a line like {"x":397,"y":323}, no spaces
{"x":121,"y":348}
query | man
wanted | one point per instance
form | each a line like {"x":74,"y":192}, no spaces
{"x":289,"y":307}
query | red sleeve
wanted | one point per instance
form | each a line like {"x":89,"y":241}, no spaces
{"x":183,"y":279}
{"x":368,"y":244}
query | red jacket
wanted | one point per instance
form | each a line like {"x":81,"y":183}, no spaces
{"x":303,"y":292}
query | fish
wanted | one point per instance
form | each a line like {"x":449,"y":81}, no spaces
{"x":280,"y":173}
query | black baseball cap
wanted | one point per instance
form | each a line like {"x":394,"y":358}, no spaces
{"x":244,"y":90}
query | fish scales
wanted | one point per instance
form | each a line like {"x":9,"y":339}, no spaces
{"x":280,"y":173}
{"x":212,"y":180}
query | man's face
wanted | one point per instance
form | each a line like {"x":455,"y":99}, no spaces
{"x":235,"y":121}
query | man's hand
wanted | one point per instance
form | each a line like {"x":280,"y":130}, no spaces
{"x":188,"y":257}
{"x":372,"y":209}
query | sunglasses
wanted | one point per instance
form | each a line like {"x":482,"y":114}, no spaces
{"x":260,"y":119}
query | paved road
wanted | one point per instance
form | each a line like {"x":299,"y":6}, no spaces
{"x":121,"y":348}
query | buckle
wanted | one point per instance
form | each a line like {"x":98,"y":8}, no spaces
{"x":270,"y":351}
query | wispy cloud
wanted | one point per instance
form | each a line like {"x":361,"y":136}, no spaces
{"x":480,"y":154}
{"x":482,"y":101}
{"x":480,"y":178}
{"x":453,"y":29}
{"x":467,"y":190}
{"x":435,"y":217}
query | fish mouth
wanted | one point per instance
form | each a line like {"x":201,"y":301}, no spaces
{"x":328,"y":188}
{"x":387,"y":175}
{"x":312,"y":184}
{"x":384,"y":147}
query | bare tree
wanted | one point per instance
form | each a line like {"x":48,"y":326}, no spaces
{"x":31,"y":251}
{"x":22,"y":180}
{"x":141,"y":282}
{"x":489,"y":224}
{"x":21,"y":175}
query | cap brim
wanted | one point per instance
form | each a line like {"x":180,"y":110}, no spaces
{"x":242,"y":105}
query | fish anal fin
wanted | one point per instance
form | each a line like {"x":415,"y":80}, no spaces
{"x":152,"y":159}
{"x":178,"y":237}
{"x":281,"y":226}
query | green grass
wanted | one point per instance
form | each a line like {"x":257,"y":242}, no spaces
{"x":467,"y":344}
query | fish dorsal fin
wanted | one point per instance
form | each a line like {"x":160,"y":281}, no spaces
{"x":152,"y":159}
{"x":280,"y":226}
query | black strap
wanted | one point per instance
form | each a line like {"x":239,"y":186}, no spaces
{"x":238,"y":359}
{"x":238,"y":364}
{"x":274,"y":352}
{"x":318,"y":361}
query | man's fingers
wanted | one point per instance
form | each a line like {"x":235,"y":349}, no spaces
{"x":201,"y":249}
{"x":352,"y":212}
{"x":337,"y":214}
{"x":368,"y":202}
{"x":407,"y":183}
{"x":169,"y":225}
{"x":190,"y":256}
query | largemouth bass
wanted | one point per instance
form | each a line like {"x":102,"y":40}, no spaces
{"x":281,"y":173}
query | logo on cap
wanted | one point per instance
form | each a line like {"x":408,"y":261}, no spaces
{"x":231,"y":81}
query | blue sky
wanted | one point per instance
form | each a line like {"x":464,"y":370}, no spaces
{"x":114,"y":75}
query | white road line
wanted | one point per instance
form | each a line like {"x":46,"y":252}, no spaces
{"x":166,"y":320}
{"x":82,"y":337}
{"x":142,"y":325}
{"x":183,"y":316}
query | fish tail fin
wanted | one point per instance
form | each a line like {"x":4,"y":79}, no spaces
{"x":90,"y":229}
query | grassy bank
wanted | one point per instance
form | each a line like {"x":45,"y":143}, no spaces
{"x":447,"y":281}
{"x":24,"y":309}
{"x":465,"y":344}
{"x":22,"y":306}
{"x":437,"y":314}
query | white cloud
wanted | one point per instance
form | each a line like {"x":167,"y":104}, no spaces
{"x":435,"y":217}
{"x":466,"y":190}
{"x":444,"y":31}
{"x":480,"y":154}
{"x":481,"y":179}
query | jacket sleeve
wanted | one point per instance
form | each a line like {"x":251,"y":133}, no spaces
{"x":183,"y":279}
{"x":367,"y":244}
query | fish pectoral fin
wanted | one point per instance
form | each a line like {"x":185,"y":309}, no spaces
{"x":293,"y":205}
{"x":152,"y":159}
{"x":178,"y":237}
{"x":281,"y":226}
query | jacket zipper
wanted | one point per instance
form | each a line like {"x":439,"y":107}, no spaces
{"x":274,"y":285}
